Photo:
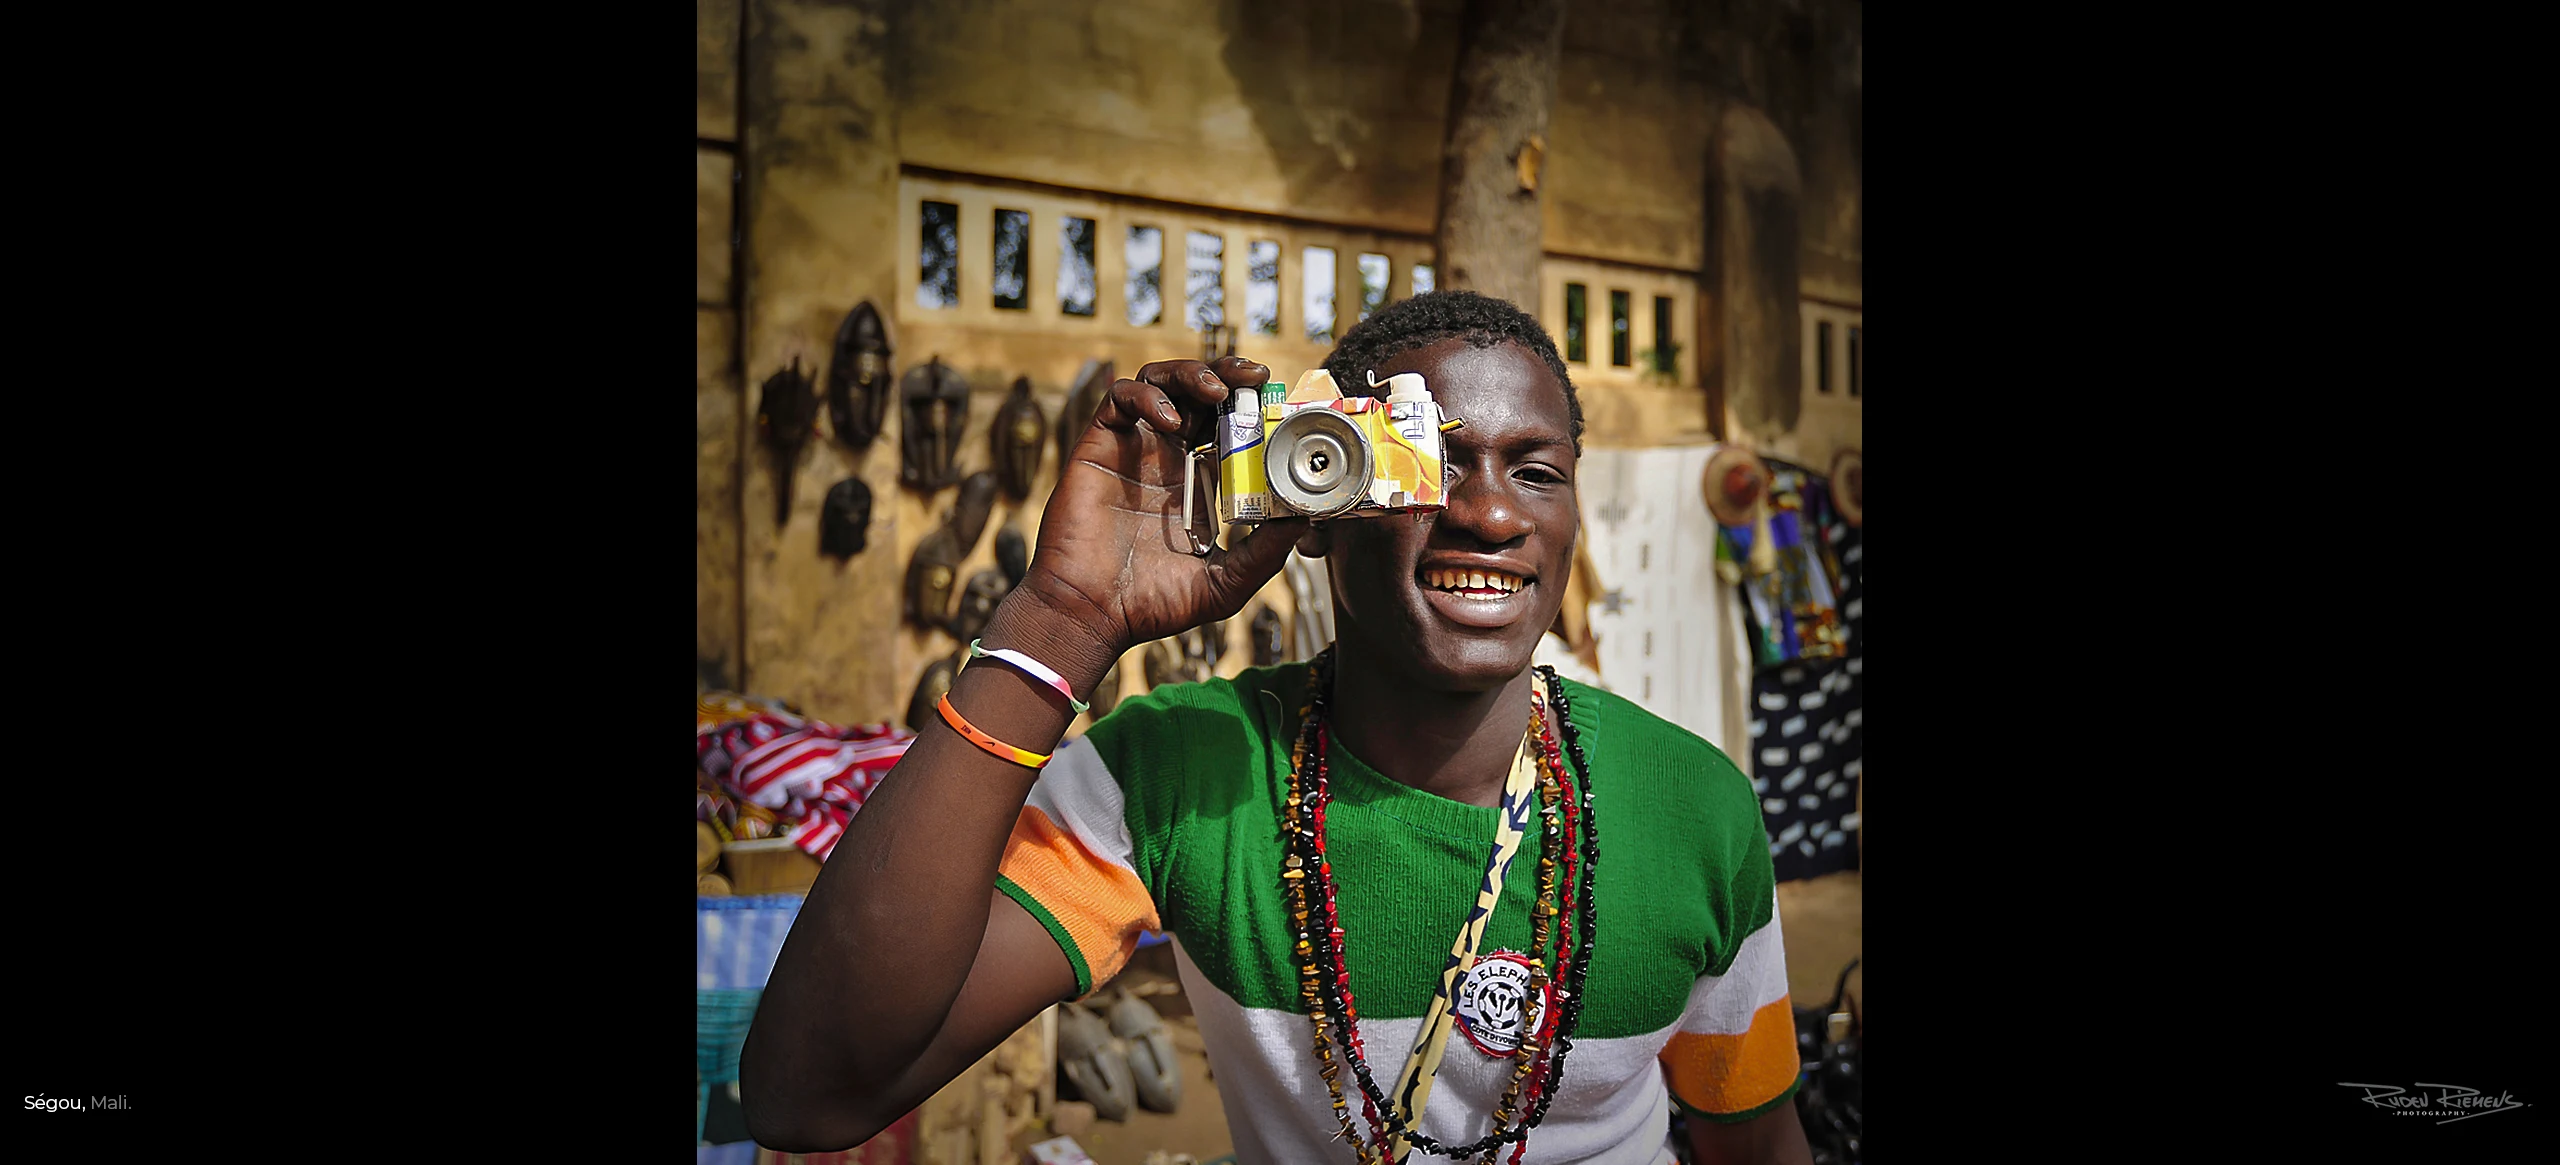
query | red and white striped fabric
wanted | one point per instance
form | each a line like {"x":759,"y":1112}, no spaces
{"x":813,"y":775}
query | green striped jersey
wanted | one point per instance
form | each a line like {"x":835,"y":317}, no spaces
{"x":1167,"y":816}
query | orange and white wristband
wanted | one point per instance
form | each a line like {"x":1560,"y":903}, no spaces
{"x":994,"y":747}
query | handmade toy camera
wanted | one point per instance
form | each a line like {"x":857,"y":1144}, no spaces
{"x":1313,"y":452}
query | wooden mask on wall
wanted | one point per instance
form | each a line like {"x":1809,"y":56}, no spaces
{"x":858,"y":377}
{"x":1013,"y":555}
{"x":937,"y":409}
{"x":969,"y":515}
{"x":930,"y":576}
{"x":1107,"y":693}
{"x":844,"y":524}
{"x":1267,"y":632}
{"x":1085,"y":401}
{"x":784,"y":418}
{"x":930,"y":686}
{"x":978,"y":604}
{"x":1020,"y":438}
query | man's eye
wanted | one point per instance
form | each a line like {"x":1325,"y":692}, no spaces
{"x":1541,"y":475}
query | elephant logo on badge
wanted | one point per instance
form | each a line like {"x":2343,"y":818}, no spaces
{"x":1496,"y":1007}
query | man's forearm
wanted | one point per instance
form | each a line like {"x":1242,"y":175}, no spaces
{"x":888,"y":934}
{"x":1775,"y":1137}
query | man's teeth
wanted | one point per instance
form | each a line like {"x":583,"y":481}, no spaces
{"x":1472,"y":580}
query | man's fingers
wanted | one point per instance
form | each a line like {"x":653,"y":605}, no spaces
{"x":1190,"y":381}
{"x":1239,"y":372}
{"x":1133,"y":401}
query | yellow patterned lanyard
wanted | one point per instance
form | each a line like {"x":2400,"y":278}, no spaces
{"x":1519,"y":799}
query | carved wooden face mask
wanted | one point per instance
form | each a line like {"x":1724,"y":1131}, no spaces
{"x":1019,"y":437}
{"x":1013,"y":555}
{"x":787,"y":413}
{"x":1188,"y":657}
{"x":858,"y":377}
{"x":844,"y":525}
{"x":1165,"y":662}
{"x":937,"y":409}
{"x":930,"y":576}
{"x":1085,"y":401}
{"x":1266,"y":637}
{"x":969,"y":515}
{"x":978,"y":604}
{"x":930,"y":688}
{"x":1107,"y":693}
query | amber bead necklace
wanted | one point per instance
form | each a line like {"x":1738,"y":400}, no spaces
{"x":1568,"y":859}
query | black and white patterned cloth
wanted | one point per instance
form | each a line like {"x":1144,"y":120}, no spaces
{"x":1806,"y":721}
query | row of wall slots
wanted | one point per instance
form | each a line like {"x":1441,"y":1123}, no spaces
{"x":1822,"y":355}
{"x":1204,"y":287}
{"x":1204,"y":273}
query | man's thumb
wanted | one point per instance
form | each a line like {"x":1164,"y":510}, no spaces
{"x":1242,"y":569}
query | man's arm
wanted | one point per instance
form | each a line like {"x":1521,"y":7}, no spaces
{"x":1775,"y":1137}
{"x":1018,"y":971}
{"x":906,"y":963}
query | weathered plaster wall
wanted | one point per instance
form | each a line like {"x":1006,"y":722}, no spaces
{"x":714,"y":216}
{"x":1329,"y":109}
{"x":1625,"y":159}
{"x":715,"y":69}
{"x":820,"y":155}
{"x":1708,"y":152}
{"x":717,"y":406}
{"x":1782,"y":208}
{"x":718,"y":411}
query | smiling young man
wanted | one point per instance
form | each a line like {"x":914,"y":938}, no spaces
{"x":1330,"y":842}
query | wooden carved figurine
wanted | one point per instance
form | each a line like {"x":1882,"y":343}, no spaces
{"x":784,"y":418}
{"x":937,"y":409}
{"x":858,"y":377}
{"x":1018,"y":436}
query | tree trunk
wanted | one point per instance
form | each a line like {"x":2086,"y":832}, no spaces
{"x":1754,"y":355}
{"x":1491,"y":234}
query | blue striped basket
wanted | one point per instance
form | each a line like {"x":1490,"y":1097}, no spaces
{"x":720,"y":1020}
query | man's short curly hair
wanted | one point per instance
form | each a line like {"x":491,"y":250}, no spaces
{"x":1427,"y":319}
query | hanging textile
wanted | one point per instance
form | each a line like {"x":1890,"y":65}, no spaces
{"x":1806,"y":705}
{"x":1662,"y":623}
{"x":808,"y":777}
{"x":1792,"y":591}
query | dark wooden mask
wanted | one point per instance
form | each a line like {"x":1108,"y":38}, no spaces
{"x":1013,"y":555}
{"x":844,"y":525}
{"x":858,"y":377}
{"x":978,"y":604}
{"x":969,"y":514}
{"x":937,"y":409}
{"x":1020,"y":437}
{"x":1107,"y":693}
{"x":931,"y":575}
{"x":930,"y":687}
{"x":1266,"y":636}
{"x":1085,"y":401}
{"x":784,"y":418}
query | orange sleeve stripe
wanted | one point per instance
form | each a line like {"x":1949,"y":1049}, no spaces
{"x":1100,"y":903}
{"x":1736,"y":1073}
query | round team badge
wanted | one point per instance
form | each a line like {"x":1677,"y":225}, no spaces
{"x":1495,"y":1004}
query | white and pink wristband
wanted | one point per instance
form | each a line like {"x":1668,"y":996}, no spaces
{"x":1033,"y":668}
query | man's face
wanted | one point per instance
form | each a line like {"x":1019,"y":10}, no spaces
{"x":1406,"y":591}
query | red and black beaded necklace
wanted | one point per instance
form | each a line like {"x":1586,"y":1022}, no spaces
{"x":1568,"y":843}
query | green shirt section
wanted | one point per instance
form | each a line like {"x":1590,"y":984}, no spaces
{"x":1683,"y":874}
